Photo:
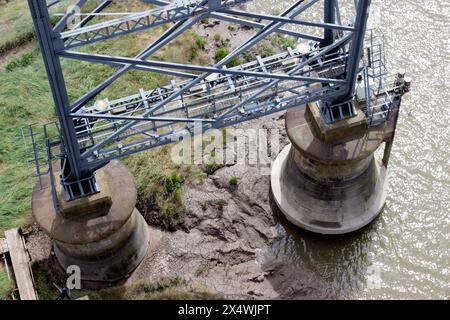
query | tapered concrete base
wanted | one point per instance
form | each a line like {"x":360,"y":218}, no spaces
{"x":102,"y":234}
{"x":114,"y":265}
{"x":328,"y":181}
{"x":294,"y":195}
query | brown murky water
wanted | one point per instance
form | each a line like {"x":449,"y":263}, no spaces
{"x":404,"y":254}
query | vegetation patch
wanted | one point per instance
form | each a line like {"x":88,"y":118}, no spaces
{"x":201,"y":269}
{"x":6,"y":284}
{"x":221,"y":53}
{"x":221,"y":202}
{"x":20,"y":62}
{"x":159,"y":183}
{"x":16,"y":25}
{"x":190,"y":46}
{"x":197,"y":45}
{"x":234,"y":181}
{"x":284,"y":42}
{"x":44,"y":281}
{"x":170,"y":288}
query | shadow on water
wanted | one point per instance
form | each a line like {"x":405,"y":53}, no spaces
{"x":304,"y":265}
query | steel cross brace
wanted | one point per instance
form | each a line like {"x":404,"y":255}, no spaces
{"x":293,"y":11}
{"x":218,"y":97}
{"x":140,"y":21}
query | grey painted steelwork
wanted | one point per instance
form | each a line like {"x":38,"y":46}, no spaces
{"x":92,"y":134}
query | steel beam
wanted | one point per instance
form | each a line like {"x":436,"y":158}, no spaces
{"x":356,"y":48}
{"x":120,"y":61}
{"x":329,"y":25}
{"x":293,"y":11}
{"x":215,"y":96}
{"x":330,"y":18}
{"x":138,"y":22}
{"x":168,"y":36}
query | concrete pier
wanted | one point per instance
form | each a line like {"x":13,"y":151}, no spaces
{"x":103,"y":234}
{"x":328,"y":181}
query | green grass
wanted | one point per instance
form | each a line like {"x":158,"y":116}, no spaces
{"x":6,"y":285}
{"x":234,"y":63}
{"x":20,"y":62}
{"x":141,"y":291}
{"x":220,"y":53}
{"x":170,"y":288}
{"x":221,"y":202}
{"x":24,"y":98}
{"x":16,"y":27}
{"x":159,"y":183}
{"x":44,"y":282}
{"x":201,"y":269}
{"x":198,"y":44}
{"x":234,"y":181}
{"x":284,"y":42}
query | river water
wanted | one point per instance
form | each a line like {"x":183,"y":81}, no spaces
{"x":404,"y":254}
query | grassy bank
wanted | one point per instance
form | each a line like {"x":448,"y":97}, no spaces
{"x":6,"y":285}
{"x":159,"y":183}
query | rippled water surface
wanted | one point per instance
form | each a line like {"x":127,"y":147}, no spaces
{"x":405,"y":253}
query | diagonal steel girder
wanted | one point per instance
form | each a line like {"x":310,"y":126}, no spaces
{"x":169,"y":35}
{"x":139,"y":21}
{"x":293,"y":11}
{"x":300,"y":22}
{"x":249,"y":23}
{"x":121,"y":61}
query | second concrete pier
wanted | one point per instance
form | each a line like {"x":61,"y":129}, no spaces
{"x":328,"y":180}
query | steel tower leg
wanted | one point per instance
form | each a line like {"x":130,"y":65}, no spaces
{"x":329,"y":17}
{"x":357,"y":47}
{"x":76,"y":180}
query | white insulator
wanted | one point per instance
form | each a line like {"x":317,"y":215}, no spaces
{"x":101,"y":105}
{"x":303,"y":48}
{"x":408,"y":81}
{"x":401,"y":74}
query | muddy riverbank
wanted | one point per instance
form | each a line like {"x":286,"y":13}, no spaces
{"x":222,"y":244}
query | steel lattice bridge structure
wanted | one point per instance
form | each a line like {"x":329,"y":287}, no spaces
{"x":92,"y":132}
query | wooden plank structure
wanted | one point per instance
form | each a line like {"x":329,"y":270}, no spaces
{"x":20,"y":262}
{"x":3,"y":246}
